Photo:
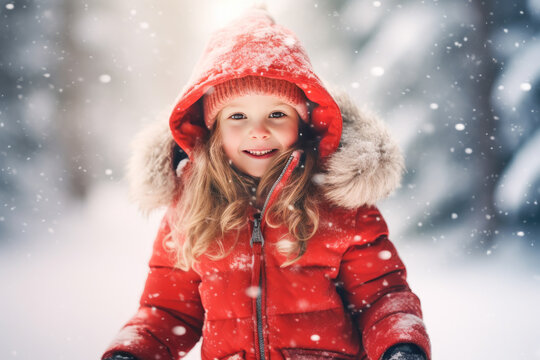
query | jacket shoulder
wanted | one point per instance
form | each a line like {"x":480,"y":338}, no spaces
{"x":369,"y":224}
{"x":363,"y":224}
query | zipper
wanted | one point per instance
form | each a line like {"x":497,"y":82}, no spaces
{"x":275,"y":184}
{"x":256,"y":235}
{"x":257,"y":242}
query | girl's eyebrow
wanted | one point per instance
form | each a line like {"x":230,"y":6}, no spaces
{"x":228,"y":107}
{"x":274,"y":103}
{"x":234,"y":107}
{"x":280,"y":103}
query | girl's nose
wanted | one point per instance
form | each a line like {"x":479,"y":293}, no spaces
{"x":259,"y":131}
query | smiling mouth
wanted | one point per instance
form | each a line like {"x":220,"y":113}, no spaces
{"x":261,"y":153}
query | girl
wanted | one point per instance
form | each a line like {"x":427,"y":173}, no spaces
{"x":271,"y":246}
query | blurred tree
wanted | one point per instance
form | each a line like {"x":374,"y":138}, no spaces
{"x":514,"y":29}
{"x":42,"y":159}
{"x":76,"y":67}
{"x":26,"y":112}
{"x":434,"y":68}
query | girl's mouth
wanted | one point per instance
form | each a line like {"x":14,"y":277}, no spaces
{"x":261,"y":154}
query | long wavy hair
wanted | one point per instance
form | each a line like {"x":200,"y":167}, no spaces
{"x":216,"y":196}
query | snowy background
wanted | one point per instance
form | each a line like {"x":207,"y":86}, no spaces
{"x":457,"y":82}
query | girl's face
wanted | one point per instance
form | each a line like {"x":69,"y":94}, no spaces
{"x":254,"y":129}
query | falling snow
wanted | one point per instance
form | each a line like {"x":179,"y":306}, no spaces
{"x":377,"y":71}
{"x":179,"y":330}
{"x":525,"y":86}
{"x":253,"y":291}
{"x":105,"y":78}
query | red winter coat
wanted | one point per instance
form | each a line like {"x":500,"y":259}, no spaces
{"x":346,"y":298}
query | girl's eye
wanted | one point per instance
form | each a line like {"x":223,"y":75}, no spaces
{"x":237,"y":116}
{"x":277,"y":114}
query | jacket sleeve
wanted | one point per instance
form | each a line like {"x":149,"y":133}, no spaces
{"x":169,"y":320}
{"x":373,"y":277}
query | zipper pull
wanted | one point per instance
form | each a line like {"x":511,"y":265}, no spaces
{"x":256,"y":235}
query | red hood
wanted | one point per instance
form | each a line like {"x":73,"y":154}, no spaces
{"x":254,"y":45}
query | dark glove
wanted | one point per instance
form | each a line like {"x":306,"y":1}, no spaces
{"x":121,"y":356}
{"x":404,"y":351}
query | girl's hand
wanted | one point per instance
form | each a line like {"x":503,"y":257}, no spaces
{"x":404,"y":352}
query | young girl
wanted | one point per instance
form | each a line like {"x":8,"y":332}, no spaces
{"x":271,"y":247}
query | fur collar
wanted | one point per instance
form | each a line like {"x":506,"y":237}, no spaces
{"x":366,"y":168}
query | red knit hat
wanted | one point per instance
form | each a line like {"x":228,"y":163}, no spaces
{"x":215,"y":99}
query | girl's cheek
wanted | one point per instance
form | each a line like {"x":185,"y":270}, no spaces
{"x":292,"y":135}
{"x":229,"y":133}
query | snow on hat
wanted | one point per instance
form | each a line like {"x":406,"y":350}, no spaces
{"x":216,"y":98}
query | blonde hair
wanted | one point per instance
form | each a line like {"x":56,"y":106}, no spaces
{"x":216,"y":196}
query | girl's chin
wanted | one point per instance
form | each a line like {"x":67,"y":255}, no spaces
{"x":258,"y":173}
{"x":255,"y":175}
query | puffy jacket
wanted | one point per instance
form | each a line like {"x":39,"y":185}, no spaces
{"x":346,"y":298}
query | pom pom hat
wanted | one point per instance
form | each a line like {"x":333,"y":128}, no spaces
{"x":254,"y":46}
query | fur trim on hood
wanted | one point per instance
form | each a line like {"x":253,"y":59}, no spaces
{"x":366,"y":168}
